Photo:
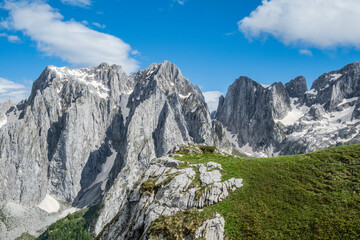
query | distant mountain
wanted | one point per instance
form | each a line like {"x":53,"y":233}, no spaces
{"x":287,"y":119}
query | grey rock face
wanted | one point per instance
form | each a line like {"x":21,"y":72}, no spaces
{"x":55,"y":133}
{"x":297,"y":88}
{"x":249,"y":110}
{"x":332,"y":88}
{"x":165,"y":190}
{"x":212,"y":229}
{"x":288,"y":119}
{"x":87,"y":132}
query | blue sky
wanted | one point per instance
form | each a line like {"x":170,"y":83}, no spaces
{"x":212,"y":42}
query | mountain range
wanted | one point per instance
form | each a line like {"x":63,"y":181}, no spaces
{"x":270,"y":120}
{"x":94,"y":137}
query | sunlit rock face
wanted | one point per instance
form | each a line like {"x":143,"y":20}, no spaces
{"x":80,"y":127}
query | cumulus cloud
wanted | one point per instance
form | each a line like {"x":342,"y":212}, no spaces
{"x":13,"y":91}
{"x":79,"y":3}
{"x":212,"y":99}
{"x":318,"y":23}
{"x":70,"y":40}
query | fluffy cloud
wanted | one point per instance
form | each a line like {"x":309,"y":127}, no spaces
{"x":13,"y":91}
{"x":79,"y":3}
{"x":71,"y":41}
{"x":212,"y":99}
{"x":318,"y":23}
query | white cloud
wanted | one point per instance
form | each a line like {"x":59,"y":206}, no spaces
{"x":11,"y":38}
{"x":99,"y":25}
{"x":306,"y":52}
{"x":79,"y":3}
{"x":13,"y":91}
{"x":212,"y":99}
{"x":318,"y":23}
{"x":70,"y":40}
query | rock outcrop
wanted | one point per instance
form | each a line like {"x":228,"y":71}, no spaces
{"x":212,"y":229}
{"x":165,"y":188}
{"x":277,"y":119}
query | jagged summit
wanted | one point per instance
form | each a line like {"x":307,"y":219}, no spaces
{"x":289,"y":119}
{"x":104,"y":80}
{"x":81,"y":127}
{"x":297,"y":87}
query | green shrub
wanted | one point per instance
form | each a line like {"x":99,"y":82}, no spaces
{"x":207,"y":149}
{"x":180,"y":225}
{"x":72,"y":227}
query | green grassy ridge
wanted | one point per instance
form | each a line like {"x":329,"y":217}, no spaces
{"x":72,"y":227}
{"x":308,"y":196}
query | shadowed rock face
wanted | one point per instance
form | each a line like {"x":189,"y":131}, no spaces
{"x":249,"y":110}
{"x":296,"y":88}
{"x":278,"y":119}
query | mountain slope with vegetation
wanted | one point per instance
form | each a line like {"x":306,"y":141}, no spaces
{"x":309,"y":196}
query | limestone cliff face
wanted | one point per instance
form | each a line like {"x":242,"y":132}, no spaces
{"x":53,"y":137}
{"x":277,"y":119}
{"x":249,"y":110}
{"x":81,"y":127}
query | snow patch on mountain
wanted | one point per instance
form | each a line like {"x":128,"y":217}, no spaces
{"x":3,"y":121}
{"x":335,"y":76}
{"x":49,"y":204}
{"x":297,"y":111}
{"x":86,"y":76}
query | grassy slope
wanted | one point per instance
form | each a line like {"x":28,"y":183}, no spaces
{"x":310,"y":196}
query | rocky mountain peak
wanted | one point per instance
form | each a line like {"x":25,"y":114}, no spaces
{"x":331,"y":88}
{"x":288,"y":119}
{"x":296,"y":87}
{"x":168,"y":78}
{"x":243,"y":80}
{"x":103,"y":65}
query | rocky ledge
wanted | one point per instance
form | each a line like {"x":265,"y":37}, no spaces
{"x":166,"y":188}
